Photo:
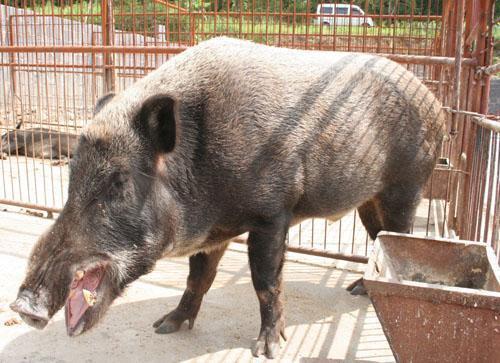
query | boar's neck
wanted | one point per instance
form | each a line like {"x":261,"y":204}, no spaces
{"x":196,"y":182}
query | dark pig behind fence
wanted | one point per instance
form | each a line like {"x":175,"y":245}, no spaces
{"x":226,"y":138}
{"x":39,"y":143}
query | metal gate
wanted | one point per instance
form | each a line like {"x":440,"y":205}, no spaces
{"x":58,"y":57}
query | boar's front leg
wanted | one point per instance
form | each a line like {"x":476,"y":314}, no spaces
{"x":202,"y":271}
{"x":266,"y":251}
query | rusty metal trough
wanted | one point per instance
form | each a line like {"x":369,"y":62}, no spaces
{"x":437,"y":300}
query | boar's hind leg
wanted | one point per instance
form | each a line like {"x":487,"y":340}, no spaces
{"x":202,"y":271}
{"x":266,"y":251}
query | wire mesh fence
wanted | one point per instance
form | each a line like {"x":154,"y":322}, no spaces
{"x":58,"y":57}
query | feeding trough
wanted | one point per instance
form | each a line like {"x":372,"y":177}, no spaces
{"x":437,"y":300}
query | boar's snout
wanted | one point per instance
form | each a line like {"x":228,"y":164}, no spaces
{"x":31,"y":309}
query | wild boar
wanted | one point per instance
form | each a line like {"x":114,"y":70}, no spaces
{"x":226,"y":138}
{"x":39,"y":143}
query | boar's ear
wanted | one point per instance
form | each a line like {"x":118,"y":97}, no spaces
{"x":102,"y":101}
{"x":157,"y":121}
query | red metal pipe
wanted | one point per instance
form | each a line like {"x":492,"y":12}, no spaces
{"x":316,"y":252}
{"x":30,"y":205}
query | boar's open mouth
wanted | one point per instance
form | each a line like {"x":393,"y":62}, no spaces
{"x":82,"y":298}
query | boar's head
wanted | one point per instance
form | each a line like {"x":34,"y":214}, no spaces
{"x":110,"y":231}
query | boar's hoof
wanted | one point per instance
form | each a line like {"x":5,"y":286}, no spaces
{"x":172,"y":322}
{"x":357,"y":287}
{"x":268,"y":342}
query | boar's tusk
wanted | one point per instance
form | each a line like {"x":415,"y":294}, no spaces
{"x":79,"y":274}
{"x":90,"y":297}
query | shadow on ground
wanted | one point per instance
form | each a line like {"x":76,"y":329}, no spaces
{"x":324,"y":322}
{"x":224,"y":330}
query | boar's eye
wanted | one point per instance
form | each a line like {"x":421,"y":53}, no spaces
{"x":117,"y":180}
{"x":113,"y":186}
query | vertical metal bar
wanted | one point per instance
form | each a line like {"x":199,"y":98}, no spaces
{"x":320,"y":33}
{"x":4,"y":92}
{"x":30,"y":107}
{"x":300,"y":234}
{"x":495,"y":235}
{"x":485,"y":49}
{"x":280,"y":23}
{"x":340,"y":233}
{"x":253,"y":21}
{"x":228,"y":2}
{"x":334,"y":35}
{"x":447,"y":198}
{"x":353,"y":231}
{"x":23,"y":113}
{"x":482,"y":186}
{"x":201,"y":31}
{"x":167,"y":24}
{"x":108,"y":35}
{"x":410,"y":31}
{"x":294,"y":23}
{"x":442,"y":47}
{"x":54,"y":100}
{"x":469,"y":188}
{"x":476,"y":195}
{"x":192,"y":20}
{"x":179,"y":26}
{"x":349,"y":28}
{"x":13,"y":82}
{"x":458,"y":65}
{"x":39,"y":91}
{"x":308,"y":4}
{"x":326,"y":232}
{"x":365,"y":28}
{"x":216,"y":8}
{"x":458,"y":155}
{"x":379,"y":37}
{"x":312,"y":232}
{"x":394,"y":25}
{"x":64,"y":108}
{"x":192,"y":24}
{"x":489,"y":196}
{"x":429,"y":206}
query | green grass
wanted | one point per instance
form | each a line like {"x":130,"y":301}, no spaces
{"x":222,"y":24}
{"x":274,"y":25}
{"x":77,"y":8}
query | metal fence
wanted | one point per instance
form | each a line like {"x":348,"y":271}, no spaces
{"x":58,"y":57}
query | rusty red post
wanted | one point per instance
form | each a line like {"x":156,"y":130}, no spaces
{"x":458,"y":65}
{"x":108,"y":35}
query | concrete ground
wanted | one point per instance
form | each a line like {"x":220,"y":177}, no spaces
{"x":324,"y":322}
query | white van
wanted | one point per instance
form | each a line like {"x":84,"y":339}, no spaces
{"x":342,"y":14}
